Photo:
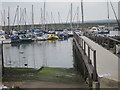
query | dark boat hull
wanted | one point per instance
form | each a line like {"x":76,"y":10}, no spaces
{"x":26,"y":40}
{"x":103,"y":32}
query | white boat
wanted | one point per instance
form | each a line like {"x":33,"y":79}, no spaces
{"x":70,"y":33}
{"x":25,"y":38}
{"x":14,"y":32}
{"x":4,"y":40}
{"x":7,"y":41}
{"x":94,"y":29}
{"x":114,"y":33}
{"x":42,"y":38}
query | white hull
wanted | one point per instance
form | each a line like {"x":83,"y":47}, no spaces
{"x":40,"y":38}
{"x":5,"y":42}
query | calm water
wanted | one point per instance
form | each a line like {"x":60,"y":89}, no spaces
{"x":40,"y":53}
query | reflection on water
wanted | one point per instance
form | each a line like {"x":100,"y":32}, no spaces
{"x":40,"y":53}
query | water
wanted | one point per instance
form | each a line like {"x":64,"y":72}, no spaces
{"x":40,"y":53}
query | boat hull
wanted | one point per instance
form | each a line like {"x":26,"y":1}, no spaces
{"x":26,"y":40}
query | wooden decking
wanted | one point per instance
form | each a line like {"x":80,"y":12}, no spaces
{"x":106,"y":62}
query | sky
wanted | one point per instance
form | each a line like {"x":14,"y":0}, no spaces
{"x":58,"y":0}
{"x":93,"y":10}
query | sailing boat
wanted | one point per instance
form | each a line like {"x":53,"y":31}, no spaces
{"x":27,"y":37}
{"x":42,"y":36}
{"x":4,"y":38}
{"x":60,"y":33}
{"x":51,"y":33}
{"x":15,"y":37}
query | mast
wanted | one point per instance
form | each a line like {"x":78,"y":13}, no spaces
{"x":52,"y":21}
{"x":1,"y":15}
{"x":71,"y":18}
{"x":59,"y":17}
{"x":77,"y":16}
{"x":4,"y":19}
{"x":20,"y":27}
{"x":82,"y":15}
{"x":48,"y":20}
{"x":41,"y":18}
{"x":44,"y":17}
{"x":115,"y":15}
{"x":18,"y":18}
{"x":25,"y":18}
{"x":108,"y":14}
{"x":1,"y":19}
{"x":67,"y":16}
{"x":8,"y":18}
{"x":32,"y":18}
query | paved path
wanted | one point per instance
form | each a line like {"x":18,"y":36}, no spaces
{"x":39,"y":84}
{"x":42,"y":84}
{"x":107,"y":63}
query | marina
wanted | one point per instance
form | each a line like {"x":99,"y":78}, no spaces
{"x":44,"y":49}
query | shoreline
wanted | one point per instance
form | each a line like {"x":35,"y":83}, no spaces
{"x":23,"y":77}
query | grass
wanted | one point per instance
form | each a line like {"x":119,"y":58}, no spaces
{"x":18,"y":74}
{"x":59,"y":75}
{"x":47,"y":74}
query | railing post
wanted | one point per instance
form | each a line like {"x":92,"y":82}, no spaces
{"x":84,"y":47}
{"x":89,"y":55}
{"x":96,"y":39}
{"x":95,"y":71}
{"x":115,"y":47}
{"x":77,"y":37}
{"x":102,"y":41}
{"x":82,"y":43}
{"x":108,"y":46}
